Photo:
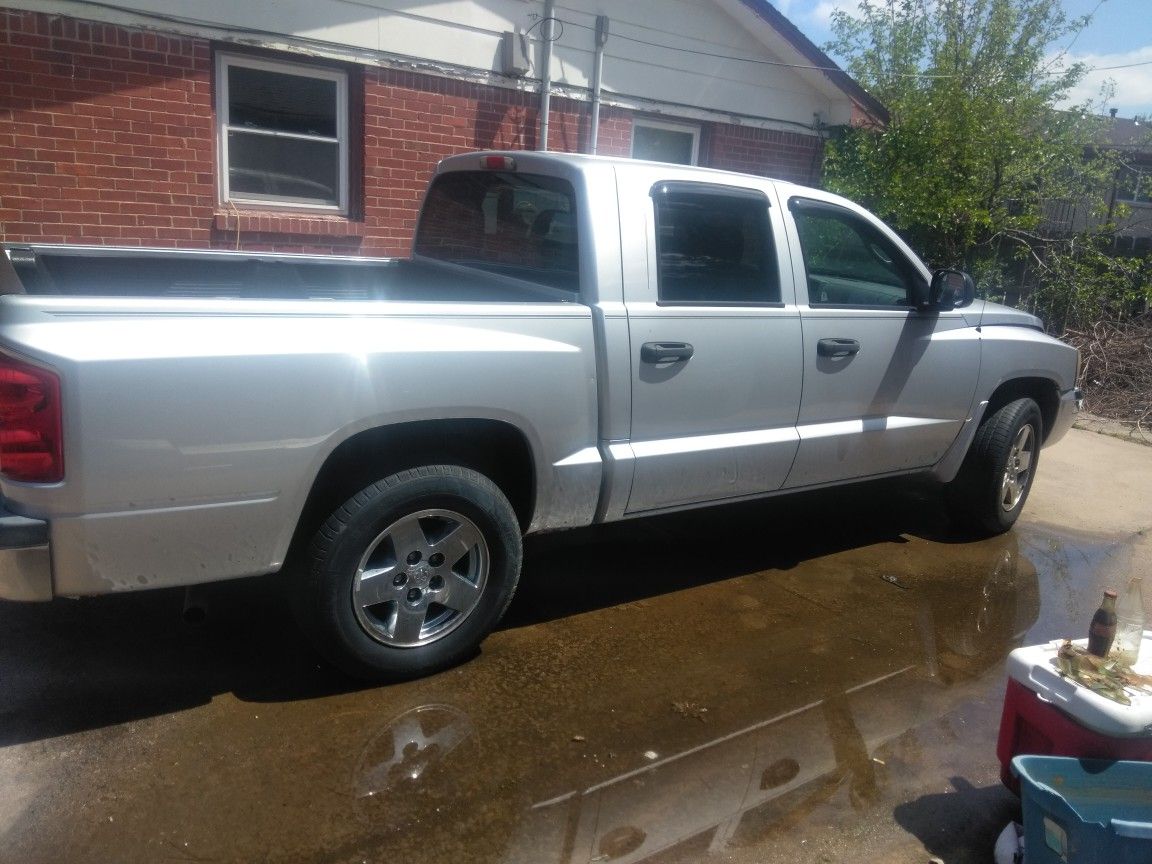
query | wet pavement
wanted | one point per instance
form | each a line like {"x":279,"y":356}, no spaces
{"x":811,"y":679}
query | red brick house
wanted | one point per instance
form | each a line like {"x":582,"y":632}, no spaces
{"x":317,"y":132}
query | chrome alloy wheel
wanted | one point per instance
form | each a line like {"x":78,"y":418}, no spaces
{"x":1018,"y":468}
{"x":420,"y":578}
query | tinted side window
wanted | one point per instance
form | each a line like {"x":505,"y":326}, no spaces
{"x":714,"y":245}
{"x":521,"y":225}
{"x":848,"y":261}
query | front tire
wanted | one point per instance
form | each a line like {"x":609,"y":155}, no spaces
{"x":411,"y":573}
{"x":988,"y":494}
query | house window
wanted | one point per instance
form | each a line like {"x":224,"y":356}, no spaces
{"x":665,"y":142}
{"x":1134,"y":185}
{"x":283,"y":134}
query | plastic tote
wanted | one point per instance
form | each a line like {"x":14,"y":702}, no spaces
{"x":1085,"y":811}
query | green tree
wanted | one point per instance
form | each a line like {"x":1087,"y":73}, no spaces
{"x":975,"y":153}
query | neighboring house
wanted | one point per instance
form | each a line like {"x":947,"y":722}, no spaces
{"x":1130,"y":202}
{"x":314,"y":126}
{"x":1128,"y":198}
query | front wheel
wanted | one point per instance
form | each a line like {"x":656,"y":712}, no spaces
{"x":993,"y":484}
{"x":409,"y":575}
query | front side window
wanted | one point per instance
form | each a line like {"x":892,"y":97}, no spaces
{"x":518,"y":225}
{"x":849,"y":262}
{"x":283,"y":133}
{"x":713,"y":245}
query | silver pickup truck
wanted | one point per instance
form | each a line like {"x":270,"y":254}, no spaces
{"x":573,"y":340}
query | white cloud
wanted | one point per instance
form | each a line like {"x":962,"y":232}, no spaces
{"x":822,"y":14}
{"x":1133,"y":84}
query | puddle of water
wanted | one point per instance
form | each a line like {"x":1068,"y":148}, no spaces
{"x":1074,"y":571}
{"x":833,"y":705}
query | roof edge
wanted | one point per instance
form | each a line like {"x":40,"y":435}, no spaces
{"x":811,"y":52}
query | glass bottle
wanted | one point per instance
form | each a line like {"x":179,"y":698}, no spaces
{"x":1129,"y":622}
{"x":1103,"y":629}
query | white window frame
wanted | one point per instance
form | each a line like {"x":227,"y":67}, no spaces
{"x":223,"y":62}
{"x":689,"y":128}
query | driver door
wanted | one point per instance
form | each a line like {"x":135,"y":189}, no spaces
{"x":887,"y":387}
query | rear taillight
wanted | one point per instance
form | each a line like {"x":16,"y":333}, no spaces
{"x":31,"y":447}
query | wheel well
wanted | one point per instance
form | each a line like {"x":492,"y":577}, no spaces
{"x":1043,"y":391}
{"x":497,"y":450}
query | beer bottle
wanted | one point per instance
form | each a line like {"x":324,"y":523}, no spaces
{"x":1103,"y":629}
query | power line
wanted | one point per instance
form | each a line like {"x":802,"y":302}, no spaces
{"x":1121,"y":66}
{"x":754,"y":60}
{"x":177,"y":19}
{"x":781,"y":63}
{"x":1087,"y":19}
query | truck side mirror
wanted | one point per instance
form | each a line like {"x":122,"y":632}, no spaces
{"x":951,"y":289}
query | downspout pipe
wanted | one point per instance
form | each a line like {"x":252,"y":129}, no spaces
{"x":597,"y":73}
{"x":546,"y":72}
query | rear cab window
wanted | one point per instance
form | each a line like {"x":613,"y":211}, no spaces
{"x":522,"y":226}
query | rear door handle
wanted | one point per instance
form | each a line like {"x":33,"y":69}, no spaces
{"x":837,"y":347}
{"x":665,"y":352}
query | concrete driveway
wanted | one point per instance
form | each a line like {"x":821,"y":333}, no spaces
{"x":817,"y":679}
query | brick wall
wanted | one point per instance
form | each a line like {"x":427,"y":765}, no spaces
{"x":105,"y":134}
{"x":107,"y":137}
{"x":411,"y":121}
{"x":767,"y":152}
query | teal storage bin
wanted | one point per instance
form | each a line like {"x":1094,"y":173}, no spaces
{"x":1085,"y":811}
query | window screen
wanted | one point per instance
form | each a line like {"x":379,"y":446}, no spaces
{"x":714,"y":245}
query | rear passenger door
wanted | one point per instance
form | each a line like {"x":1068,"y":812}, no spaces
{"x":715,"y":342}
{"x":887,"y":387}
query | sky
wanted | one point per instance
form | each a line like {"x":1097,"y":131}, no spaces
{"x":1120,"y":33}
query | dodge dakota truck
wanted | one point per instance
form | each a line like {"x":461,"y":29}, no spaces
{"x":573,"y":340}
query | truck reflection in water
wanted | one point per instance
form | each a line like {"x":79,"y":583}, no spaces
{"x":756,"y":783}
{"x":408,"y":747}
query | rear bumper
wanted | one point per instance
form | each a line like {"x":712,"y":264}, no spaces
{"x":25,"y":558}
{"x":1071,"y":404}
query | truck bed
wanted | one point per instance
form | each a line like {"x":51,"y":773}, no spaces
{"x":96,"y":271}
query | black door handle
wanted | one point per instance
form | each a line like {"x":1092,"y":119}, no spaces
{"x":665,"y":352}
{"x":837,"y":347}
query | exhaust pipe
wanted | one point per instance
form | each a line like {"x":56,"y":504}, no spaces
{"x":195,"y":611}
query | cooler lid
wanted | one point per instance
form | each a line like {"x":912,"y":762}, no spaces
{"x":1035,"y":667}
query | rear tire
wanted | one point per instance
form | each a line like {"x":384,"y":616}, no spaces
{"x":989,"y":492}
{"x":411,"y":573}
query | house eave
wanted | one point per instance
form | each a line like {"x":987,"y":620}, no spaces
{"x":811,"y":55}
